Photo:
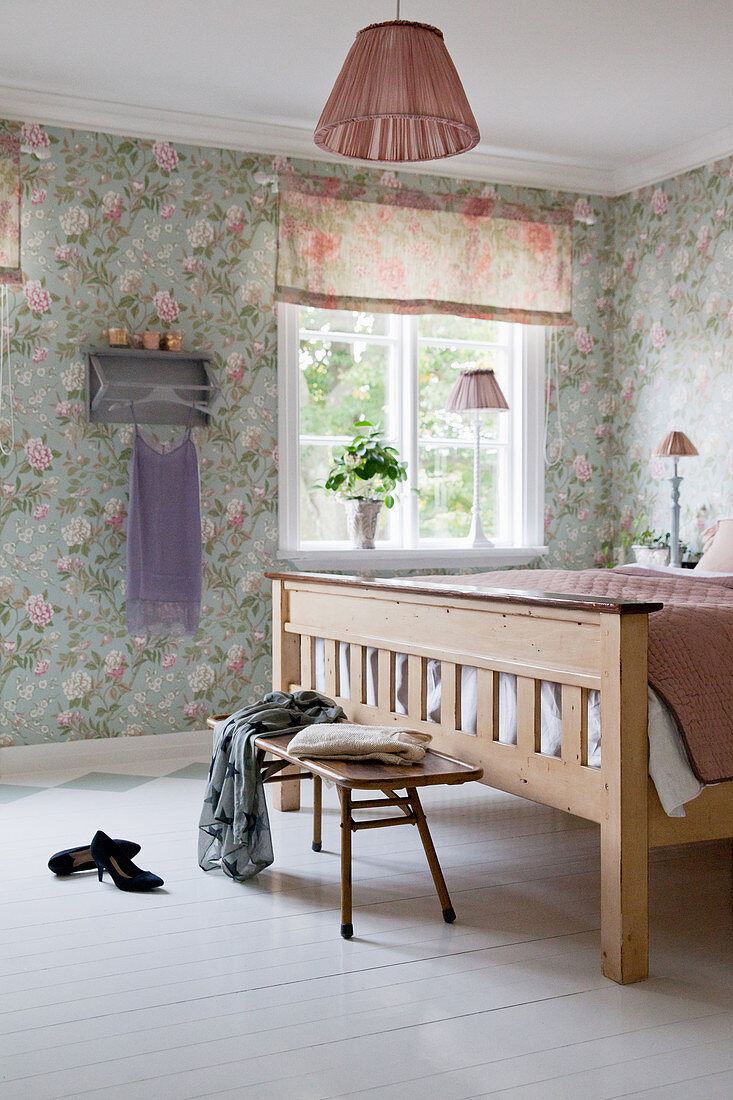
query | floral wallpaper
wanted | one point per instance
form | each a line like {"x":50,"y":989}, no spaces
{"x":673,"y":353}
{"x":148,"y":234}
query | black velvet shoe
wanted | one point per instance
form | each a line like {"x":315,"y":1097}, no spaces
{"x":80,"y":859}
{"x":109,"y":856}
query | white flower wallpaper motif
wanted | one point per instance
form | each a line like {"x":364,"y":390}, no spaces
{"x":149,"y":234}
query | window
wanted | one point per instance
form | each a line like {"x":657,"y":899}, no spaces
{"x":398,"y":371}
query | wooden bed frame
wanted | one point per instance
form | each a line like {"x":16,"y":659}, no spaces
{"x":579,"y":643}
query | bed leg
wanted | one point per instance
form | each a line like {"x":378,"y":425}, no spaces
{"x":624,"y":820}
{"x":624,"y":910}
{"x":285,"y":673}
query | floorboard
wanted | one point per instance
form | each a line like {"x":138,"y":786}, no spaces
{"x":211,"y":988}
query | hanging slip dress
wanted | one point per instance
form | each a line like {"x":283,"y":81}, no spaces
{"x":164,"y":539}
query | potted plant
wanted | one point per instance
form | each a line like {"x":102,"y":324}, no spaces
{"x":365,"y":475}
{"x":650,"y":548}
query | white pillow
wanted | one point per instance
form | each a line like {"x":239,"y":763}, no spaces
{"x":718,"y":557}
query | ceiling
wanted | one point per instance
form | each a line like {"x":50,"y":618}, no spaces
{"x":601,"y":95}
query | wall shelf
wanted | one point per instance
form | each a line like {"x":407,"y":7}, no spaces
{"x":165,"y":387}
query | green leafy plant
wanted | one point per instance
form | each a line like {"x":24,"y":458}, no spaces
{"x":644,"y":536}
{"x":366,"y":469}
{"x":639,"y":535}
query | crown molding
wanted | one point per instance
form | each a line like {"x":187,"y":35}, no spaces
{"x":674,"y":161}
{"x":482,"y":163}
{"x":485,"y":163}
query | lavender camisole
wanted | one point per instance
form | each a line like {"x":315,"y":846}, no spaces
{"x":164,"y":539}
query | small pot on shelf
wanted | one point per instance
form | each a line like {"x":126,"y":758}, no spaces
{"x":172,"y":341}
{"x":151,"y":340}
{"x":362,"y":518}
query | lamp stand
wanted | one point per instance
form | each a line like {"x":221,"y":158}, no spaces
{"x":476,"y":536}
{"x":675,"y":549}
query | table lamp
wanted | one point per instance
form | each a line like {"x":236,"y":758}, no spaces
{"x":476,"y":389}
{"x":675,"y":445}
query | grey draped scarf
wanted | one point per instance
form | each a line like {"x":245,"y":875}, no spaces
{"x":234,"y":829}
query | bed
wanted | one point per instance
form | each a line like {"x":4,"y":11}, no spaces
{"x":384,"y":647}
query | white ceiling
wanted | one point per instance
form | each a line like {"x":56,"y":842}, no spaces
{"x":600,"y":95}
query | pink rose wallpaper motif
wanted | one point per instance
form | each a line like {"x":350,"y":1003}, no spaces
{"x":37,"y":297}
{"x":34,"y":139}
{"x":659,"y":202}
{"x":166,"y":307}
{"x":165,"y":157}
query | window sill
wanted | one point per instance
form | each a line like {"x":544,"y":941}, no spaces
{"x":494,"y":557}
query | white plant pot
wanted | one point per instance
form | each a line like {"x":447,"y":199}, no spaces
{"x":651,"y":555}
{"x":362,"y":517}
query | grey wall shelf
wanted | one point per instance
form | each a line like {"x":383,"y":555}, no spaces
{"x":165,"y":387}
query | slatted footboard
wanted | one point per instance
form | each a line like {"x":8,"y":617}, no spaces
{"x":578,"y":644}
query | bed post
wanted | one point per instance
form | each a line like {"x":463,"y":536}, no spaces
{"x":624,"y":770}
{"x":285,"y":671}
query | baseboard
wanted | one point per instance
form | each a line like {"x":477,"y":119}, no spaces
{"x":56,"y":755}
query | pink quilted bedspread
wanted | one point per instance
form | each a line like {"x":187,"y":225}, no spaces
{"x":690,"y":646}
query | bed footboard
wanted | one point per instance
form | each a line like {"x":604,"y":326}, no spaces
{"x":576,"y":643}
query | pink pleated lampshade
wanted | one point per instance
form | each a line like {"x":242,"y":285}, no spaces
{"x":397,"y":98}
{"x":476,"y":389}
{"x":676,"y":445}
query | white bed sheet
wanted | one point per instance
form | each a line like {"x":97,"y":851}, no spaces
{"x":669,"y":767}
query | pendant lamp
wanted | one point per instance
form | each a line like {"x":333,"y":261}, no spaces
{"x":398,"y":98}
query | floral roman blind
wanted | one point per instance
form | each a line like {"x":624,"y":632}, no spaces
{"x":394,"y":250}
{"x":10,"y":273}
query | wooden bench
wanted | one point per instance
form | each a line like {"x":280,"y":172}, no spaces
{"x":367,"y":776}
{"x":372,"y":776}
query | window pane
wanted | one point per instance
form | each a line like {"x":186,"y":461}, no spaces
{"x":439,"y":369}
{"x":446,"y":491}
{"x":322,"y":516}
{"x":442,"y":326}
{"x":344,"y":320}
{"x":339,"y":382}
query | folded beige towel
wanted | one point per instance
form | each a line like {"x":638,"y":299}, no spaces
{"x":348,"y":741}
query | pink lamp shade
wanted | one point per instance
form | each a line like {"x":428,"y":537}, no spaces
{"x":476,"y":389}
{"x":397,"y":98}
{"x":675,"y":445}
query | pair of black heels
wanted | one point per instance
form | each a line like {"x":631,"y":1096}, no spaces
{"x":114,"y":856}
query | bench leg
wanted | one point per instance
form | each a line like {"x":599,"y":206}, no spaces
{"x":287,"y":795}
{"x":427,"y":842}
{"x":317,"y":811}
{"x":347,"y":928}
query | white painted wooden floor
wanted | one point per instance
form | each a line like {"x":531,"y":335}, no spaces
{"x":210,"y":988}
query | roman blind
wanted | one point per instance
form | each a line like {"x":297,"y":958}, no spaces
{"x":393,"y":250}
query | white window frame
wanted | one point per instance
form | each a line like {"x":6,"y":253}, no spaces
{"x":526,"y":459}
